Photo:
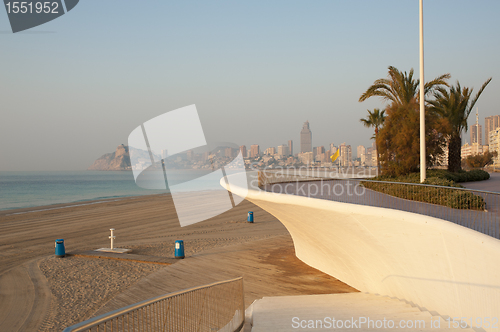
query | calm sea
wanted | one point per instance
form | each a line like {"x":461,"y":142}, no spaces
{"x":30,"y":189}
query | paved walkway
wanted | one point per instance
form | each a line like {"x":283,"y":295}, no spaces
{"x":349,"y":191}
{"x":25,"y":297}
{"x":492,"y":184}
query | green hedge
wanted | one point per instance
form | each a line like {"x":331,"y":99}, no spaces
{"x":462,"y":176}
{"x":454,"y":198}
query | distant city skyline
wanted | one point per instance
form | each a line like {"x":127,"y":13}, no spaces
{"x":73,"y":90}
{"x":314,"y":153}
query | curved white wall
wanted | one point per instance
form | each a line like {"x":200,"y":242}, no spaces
{"x":433,"y":263}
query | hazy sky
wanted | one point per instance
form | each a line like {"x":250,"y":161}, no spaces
{"x":74,"y":88}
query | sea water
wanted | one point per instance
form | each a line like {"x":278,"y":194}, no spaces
{"x":32,"y":189}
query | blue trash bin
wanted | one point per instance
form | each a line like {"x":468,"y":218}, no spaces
{"x":60,"y":251}
{"x":250,"y":216}
{"x":179,"y":249}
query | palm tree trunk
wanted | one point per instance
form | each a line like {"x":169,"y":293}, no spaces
{"x":378,"y":155}
{"x":455,"y":153}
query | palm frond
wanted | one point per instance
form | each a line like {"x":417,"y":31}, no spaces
{"x":401,"y":88}
{"x":473,"y":102}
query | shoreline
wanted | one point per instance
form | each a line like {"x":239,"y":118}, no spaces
{"x":56,"y":206}
{"x":36,"y":189}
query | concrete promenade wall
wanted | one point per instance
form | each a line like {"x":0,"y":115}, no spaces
{"x":433,"y":263}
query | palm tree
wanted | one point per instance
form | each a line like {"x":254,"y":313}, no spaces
{"x":455,"y":106}
{"x":375,"y":119}
{"x":401,"y":88}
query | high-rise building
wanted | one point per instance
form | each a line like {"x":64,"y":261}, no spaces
{"x":475,"y":131}
{"x":345,"y":154}
{"x":228,"y":152}
{"x":243,"y":150}
{"x":349,"y":155}
{"x":306,"y":157}
{"x":471,"y":150}
{"x":319,"y":153}
{"x":368,"y":157}
{"x":360,"y":151}
{"x":374,"y":154}
{"x":305,"y":138}
{"x":190,"y":154}
{"x":490,"y":123}
{"x":321,"y":157}
{"x":283,"y":150}
{"x":290,"y":147}
{"x":254,"y":150}
{"x":361,"y":154}
{"x":494,"y":139}
{"x":270,"y":151}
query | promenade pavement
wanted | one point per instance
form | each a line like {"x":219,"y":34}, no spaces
{"x":349,"y":191}
{"x":492,"y":184}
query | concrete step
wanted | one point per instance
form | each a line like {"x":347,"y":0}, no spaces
{"x":367,"y":312}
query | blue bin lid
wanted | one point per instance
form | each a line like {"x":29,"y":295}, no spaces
{"x":60,"y":240}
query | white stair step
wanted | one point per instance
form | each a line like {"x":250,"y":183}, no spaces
{"x":287,"y":303}
{"x":276,"y":313}
{"x":337,"y":314}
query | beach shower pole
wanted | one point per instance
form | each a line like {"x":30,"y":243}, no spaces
{"x":422,"y":96}
{"x":112,"y":237}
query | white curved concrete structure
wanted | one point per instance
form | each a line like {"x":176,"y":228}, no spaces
{"x":435,"y":264}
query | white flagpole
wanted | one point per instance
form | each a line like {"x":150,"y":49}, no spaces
{"x":422,"y":97}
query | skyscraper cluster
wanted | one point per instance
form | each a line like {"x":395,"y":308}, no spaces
{"x":310,"y":155}
{"x":491,"y":125}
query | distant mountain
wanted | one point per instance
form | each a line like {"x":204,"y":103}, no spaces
{"x":116,"y":161}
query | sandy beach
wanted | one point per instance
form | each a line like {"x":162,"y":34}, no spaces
{"x":44,"y":293}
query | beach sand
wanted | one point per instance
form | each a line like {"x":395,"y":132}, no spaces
{"x":41,"y":292}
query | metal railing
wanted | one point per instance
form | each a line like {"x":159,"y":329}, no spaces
{"x":475,"y":209}
{"x":214,"y":307}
